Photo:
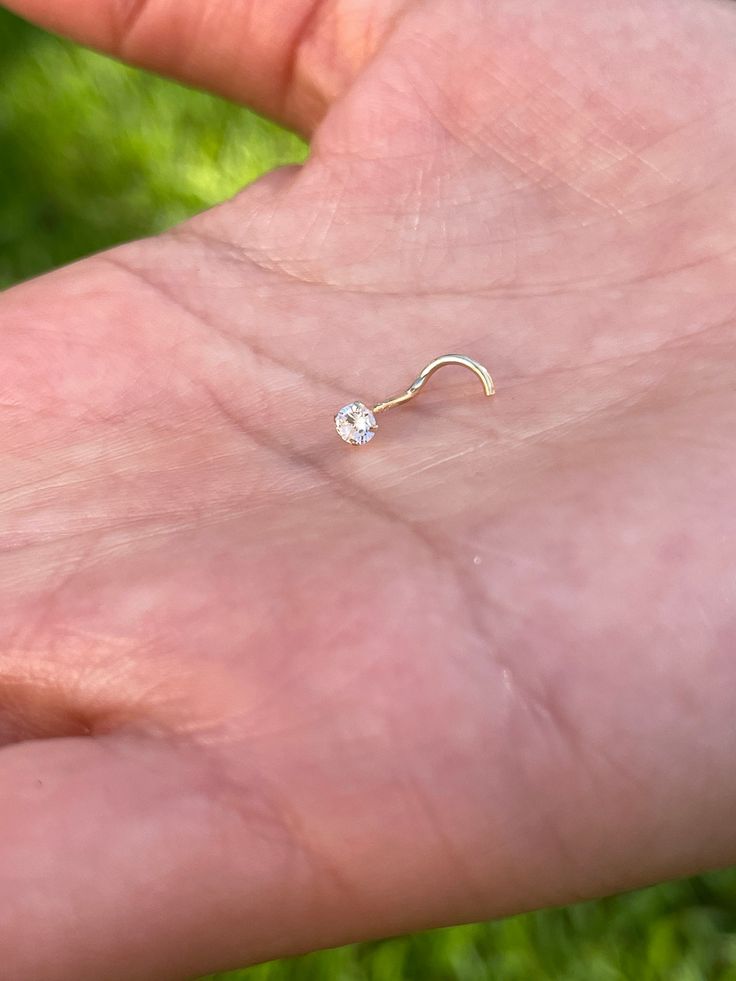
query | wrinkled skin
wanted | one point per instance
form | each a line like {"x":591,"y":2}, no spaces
{"x":261,"y":691}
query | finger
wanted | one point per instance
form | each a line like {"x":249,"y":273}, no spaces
{"x":287,"y":58}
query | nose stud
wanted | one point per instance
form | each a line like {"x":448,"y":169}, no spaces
{"x":356,"y":423}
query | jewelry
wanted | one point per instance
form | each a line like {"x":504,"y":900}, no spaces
{"x":356,"y":423}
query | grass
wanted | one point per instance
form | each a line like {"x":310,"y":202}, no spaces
{"x":679,"y":932}
{"x":91,"y":154}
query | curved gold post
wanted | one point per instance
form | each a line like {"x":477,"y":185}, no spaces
{"x":417,"y":385}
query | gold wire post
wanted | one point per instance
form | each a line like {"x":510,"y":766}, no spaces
{"x":356,"y":423}
{"x":417,"y":385}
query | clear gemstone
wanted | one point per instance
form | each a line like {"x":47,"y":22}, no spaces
{"x":355,"y":423}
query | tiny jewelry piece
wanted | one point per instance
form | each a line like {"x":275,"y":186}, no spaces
{"x":356,"y":423}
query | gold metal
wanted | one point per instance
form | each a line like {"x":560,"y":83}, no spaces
{"x":417,"y":385}
{"x":356,"y":423}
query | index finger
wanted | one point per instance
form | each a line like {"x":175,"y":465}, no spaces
{"x":289,"y":59}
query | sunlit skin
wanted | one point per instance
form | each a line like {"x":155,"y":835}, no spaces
{"x":261,"y":691}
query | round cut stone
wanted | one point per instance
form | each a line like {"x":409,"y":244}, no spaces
{"x":356,"y":424}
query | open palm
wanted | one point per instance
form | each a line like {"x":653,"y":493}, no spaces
{"x":261,"y":691}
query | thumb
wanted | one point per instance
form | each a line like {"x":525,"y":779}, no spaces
{"x":106,"y":862}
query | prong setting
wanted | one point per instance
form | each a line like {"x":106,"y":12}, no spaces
{"x":356,"y":424}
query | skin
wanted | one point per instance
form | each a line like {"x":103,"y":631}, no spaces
{"x":261,"y":691}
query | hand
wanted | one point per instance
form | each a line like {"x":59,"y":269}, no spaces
{"x":262,"y":691}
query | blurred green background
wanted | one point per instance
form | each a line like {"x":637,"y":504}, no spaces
{"x":91,"y":154}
